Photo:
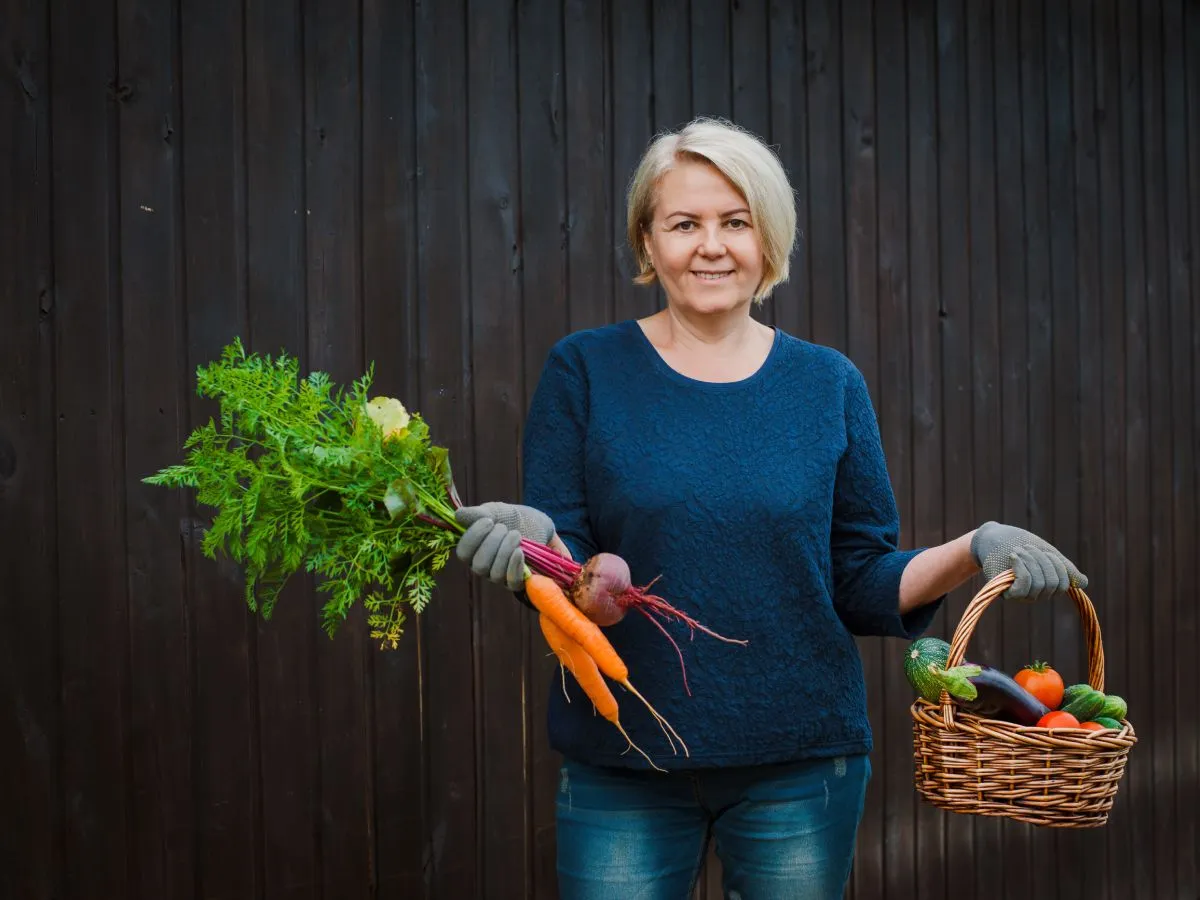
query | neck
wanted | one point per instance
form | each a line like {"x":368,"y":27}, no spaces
{"x":719,"y":331}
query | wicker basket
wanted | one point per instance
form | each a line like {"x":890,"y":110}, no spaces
{"x":1061,"y":777}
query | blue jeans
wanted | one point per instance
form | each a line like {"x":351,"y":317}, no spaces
{"x":781,"y":831}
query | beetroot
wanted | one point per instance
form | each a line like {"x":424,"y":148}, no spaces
{"x":599,"y":586}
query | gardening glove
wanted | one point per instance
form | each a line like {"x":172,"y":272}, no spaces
{"x":1041,"y":571}
{"x":491,"y":545}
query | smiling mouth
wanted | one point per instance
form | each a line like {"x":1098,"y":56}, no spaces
{"x":712,"y":276}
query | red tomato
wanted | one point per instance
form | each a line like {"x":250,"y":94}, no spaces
{"x":1058,"y":719}
{"x":1093,"y":726}
{"x":1043,"y":682}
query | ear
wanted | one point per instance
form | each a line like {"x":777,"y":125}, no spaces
{"x":646,"y":245}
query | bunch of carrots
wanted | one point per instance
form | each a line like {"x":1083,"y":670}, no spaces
{"x":582,"y":648}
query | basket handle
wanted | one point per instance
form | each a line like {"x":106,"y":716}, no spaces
{"x":982,"y":600}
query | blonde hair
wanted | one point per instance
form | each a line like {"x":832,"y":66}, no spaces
{"x":749,"y":165}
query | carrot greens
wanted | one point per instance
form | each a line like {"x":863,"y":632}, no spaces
{"x":307,"y":476}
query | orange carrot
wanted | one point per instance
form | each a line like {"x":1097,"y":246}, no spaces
{"x":583,"y":667}
{"x":548,"y":598}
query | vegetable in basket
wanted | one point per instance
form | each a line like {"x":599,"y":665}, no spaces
{"x":987,"y":691}
{"x":1040,"y":679}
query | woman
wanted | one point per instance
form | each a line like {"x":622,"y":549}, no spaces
{"x":744,"y":467}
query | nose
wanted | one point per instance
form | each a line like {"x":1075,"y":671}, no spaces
{"x":711,"y":243}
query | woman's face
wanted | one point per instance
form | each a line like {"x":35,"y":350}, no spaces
{"x":702,"y":241}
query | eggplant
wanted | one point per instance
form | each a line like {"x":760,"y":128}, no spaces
{"x":999,"y":697}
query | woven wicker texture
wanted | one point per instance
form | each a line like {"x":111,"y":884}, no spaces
{"x":1061,"y":777}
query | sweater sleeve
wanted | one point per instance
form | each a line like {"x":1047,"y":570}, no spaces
{"x":867,"y":563}
{"x":553,"y":451}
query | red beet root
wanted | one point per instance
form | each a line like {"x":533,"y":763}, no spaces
{"x":598,"y":588}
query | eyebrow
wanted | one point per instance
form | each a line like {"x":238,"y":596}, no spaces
{"x":724,"y":215}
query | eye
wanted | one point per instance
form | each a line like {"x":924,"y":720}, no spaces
{"x":738,"y":224}
{"x":685,"y":225}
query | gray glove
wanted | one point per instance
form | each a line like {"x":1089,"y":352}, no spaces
{"x":1041,"y":571}
{"x":491,"y":545}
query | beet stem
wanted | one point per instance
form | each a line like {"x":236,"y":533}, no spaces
{"x":637,"y":597}
{"x":645,"y":612}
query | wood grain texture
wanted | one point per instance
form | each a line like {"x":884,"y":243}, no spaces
{"x":998,"y":207}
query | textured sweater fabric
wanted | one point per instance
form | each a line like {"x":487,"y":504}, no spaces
{"x":764,"y":509}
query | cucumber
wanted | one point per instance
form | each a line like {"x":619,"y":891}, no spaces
{"x":1107,"y":722}
{"x":1072,"y":692}
{"x":1085,"y":705}
{"x":1114,"y":708}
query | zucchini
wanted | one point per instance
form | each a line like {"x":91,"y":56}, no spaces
{"x":1085,"y":705}
{"x":925,"y":668}
{"x":920,"y":656}
{"x":1107,"y":722}
{"x":1114,"y":708}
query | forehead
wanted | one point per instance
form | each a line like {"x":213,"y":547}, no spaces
{"x":697,"y":187}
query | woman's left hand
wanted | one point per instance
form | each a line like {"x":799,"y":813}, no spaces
{"x":1041,"y":570}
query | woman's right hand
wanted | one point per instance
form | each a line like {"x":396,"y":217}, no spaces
{"x":491,"y":545}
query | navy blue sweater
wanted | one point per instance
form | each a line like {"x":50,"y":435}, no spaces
{"x":765,"y":510}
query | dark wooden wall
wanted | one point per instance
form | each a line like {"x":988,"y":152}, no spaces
{"x":1000,"y":205}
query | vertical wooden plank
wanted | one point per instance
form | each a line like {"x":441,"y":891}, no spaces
{"x":1139,"y":783}
{"x":1064,"y":370}
{"x":546,"y":128}
{"x":859,"y":189}
{"x":592,"y":219}
{"x":333,"y":144}
{"x":1159,"y":617}
{"x":1040,"y":429}
{"x":1191,"y":32}
{"x":822,"y":33}
{"x":985,"y":380}
{"x":390,"y":304}
{"x":225,"y":703}
{"x":672,"y":61}
{"x":712,"y":67}
{"x":155,"y":419}
{"x":496,"y":262}
{"x":30,"y":732}
{"x":276,"y":219}
{"x":856,"y":36}
{"x":751,"y":65}
{"x":442,"y":209}
{"x":789,"y":133}
{"x":955,"y":334}
{"x":631,"y":80}
{"x":896,"y":425}
{"x":928,"y":470}
{"x":1015,"y":387}
{"x":1085,"y":845}
{"x":93,"y":624}
{"x":1184,"y":400}
{"x":1111,"y":297}
{"x":1183,"y":415}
